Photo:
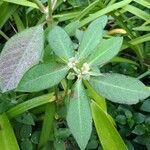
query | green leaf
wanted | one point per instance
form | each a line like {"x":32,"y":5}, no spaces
{"x":20,"y":53}
{"x":1,"y":3}
{"x":105,"y":51}
{"x":6,"y":11}
{"x":18,"y":22}
{"x":26,"y":144}
{"x":121,"y":119}
{"x":142,"y":28}
{"x":61,"y":43}
{"x":27,"y":105}
{"x":87,"y":9}
{"x":79,"y":35}
{"x":91,"y":37}
{"x":42,"y":76}
{"x":104,"y":11}
{"x":71,"y":28}
{"x":66,"y":16}
{"x":59,"y":145}
{"x":120,"y":88}
{"x":23,"y":3}
{"x":138,"y":40}
{"x":138,"y":12}
{"x":97,"y":98}
{"x":5,"y":102}
{"x":124,"y":60}
{"x":108,"y":135}
{"x":139,"y":118}
{"x":47,"y":127}
{"x":25,"y":118}
{"x":79,"y":117}
{"x":143,"y":2}
{"x":35,"y":137}
{"x":139,"y":129}
{"x":76,"y":3}
{"x":146,"y":106}
{"x":7,"y":138}
{"x":25,"y":131}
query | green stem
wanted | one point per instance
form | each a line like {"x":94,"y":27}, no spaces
{"x":144,"y":74}
{"x":4,"y":35}
{"x":50,"y":10}
{"x":40,"y":5}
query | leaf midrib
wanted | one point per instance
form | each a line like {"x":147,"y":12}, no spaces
{"x":87,"y":45}
{"x":79,"y":108}
{"x":103,"y":53}
{"x":122,"y":88}
{"x":29,"y":82}
{"x":62,"y":46}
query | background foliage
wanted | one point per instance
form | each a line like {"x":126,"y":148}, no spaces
{"x":128,"y":18}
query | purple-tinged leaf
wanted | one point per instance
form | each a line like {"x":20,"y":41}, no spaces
{"x":20,"y":53}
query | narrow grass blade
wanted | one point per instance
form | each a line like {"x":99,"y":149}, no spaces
{"x":137,"y":12}
{"x":7,"y":138}
{"x":108,"y":135}
{"x":143,"y":3}
{"x":6,"y":11}
{"x":104,"y":11}
{"x":22,"y":2}
{"x":124,"y":60}
{"x":47,"y":125}
{"x":18,"y":22}
{"x":27,"y":105}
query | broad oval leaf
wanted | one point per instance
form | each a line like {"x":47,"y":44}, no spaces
{"x":20,"y":53}
{"x":105,"y":51}
{"x":79,"y":117}
{"x":42,"y":76}
{"x":91,"y":37}
{"x":108,"y":135}
{"x":61,"y":43}
{"x":120,"y":88}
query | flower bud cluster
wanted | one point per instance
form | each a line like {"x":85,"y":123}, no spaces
{"x":79,"y":72}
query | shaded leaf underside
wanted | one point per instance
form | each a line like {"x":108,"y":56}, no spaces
{"x":20,"y":53}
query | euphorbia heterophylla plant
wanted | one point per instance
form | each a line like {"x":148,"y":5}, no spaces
{"x":82,"y":66}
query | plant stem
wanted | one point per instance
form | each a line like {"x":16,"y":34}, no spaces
{"x":4,"y":35}
{"x":144,"y":74}
{"x":50,"y":9}
{"x":49,"y":17}
{"x":40,"y":5}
